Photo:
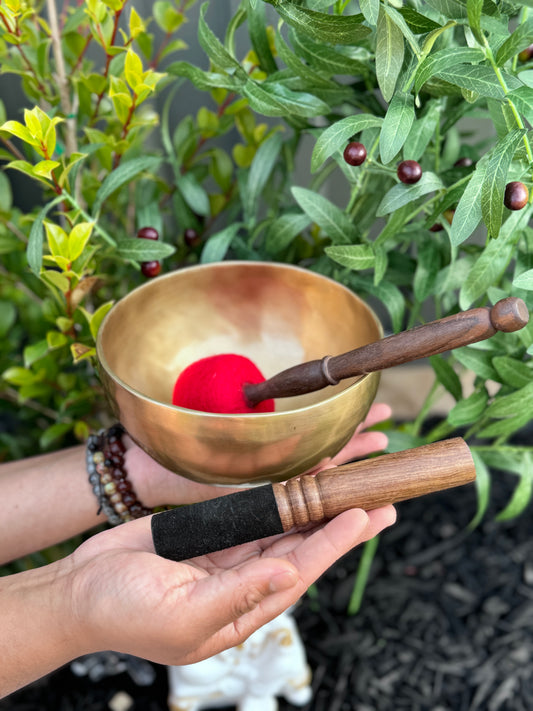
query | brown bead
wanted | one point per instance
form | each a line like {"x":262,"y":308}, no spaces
{"x":106,"y":479}
{"x":116,"y":447}
{"x":136,"y":510}
{"x":118,"y":474}
{"x":129,"y":498}
{"x":123,"y":485}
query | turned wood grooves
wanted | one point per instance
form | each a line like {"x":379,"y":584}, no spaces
{"x":372,"y":483}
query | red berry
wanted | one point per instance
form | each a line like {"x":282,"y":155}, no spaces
{"x":354,"y":153}
{"x":526,"y":54}
{"x":151,"y":269}
{"x":191,"y":237}
{"x":516,"y":195}
{"x":148,"y":233}
{"x":437,"y":227}
{"x":409,"y":171}
{"x":463,"y":162}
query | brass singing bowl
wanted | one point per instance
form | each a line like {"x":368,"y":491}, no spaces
{"x":275,"y":314}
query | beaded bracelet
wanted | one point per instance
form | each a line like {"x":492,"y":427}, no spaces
{"x":109,"y":481}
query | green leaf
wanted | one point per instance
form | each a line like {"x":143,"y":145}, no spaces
{"x":326,"y":58}
{"x":490,"y":265}
{"x":402,"y":25}
{"x":402,"y":194}
{"x":6,"y":195}
{"x":334,"y":137}
{"x":509,"y":405}
{"x":319,"y":26}
{"x":258,"y":36}
{"x":396,"y":125}
{"x":512,"y":371}
{"x":422,"y":131}
{"x":476,"y":360}
{"x":505,"y":427}
{"x":125,"y":173}
{"x":480,"y":80}
{"x":34,"y":252}
{"x":483,"y":481}
{"x":427,"y":268}
{"x":218,"y":244}
{"x":493,"y":189}
{"x":34,"y":352}
{"x":274,"y":99}
{"x":78,"y":238}
{"x":522,"y":493}
{"x":468,"y":212}
{"x":54,"y":434}
{"x":283,"y":230}
{"x":370,"y":9}
{"x":389,"y":54}
{"x":517,"y":41}
{"x":522,"y":99}
{"x":445,"y":59}
{"x":259,"y":173}
{"x":193,"y":193}
{"x":143,"y":250}
{"x":419,"y":23}
{"x":205,"y":80}
{"x":469,"y":410}
{"x":433,"y":36}
{"x":389,"y":295}
{"x":98,"y":317}
{"x":55,"y":339}
{"x":8,"y":316}
{"x":328,"y":216}
{"x":447,"y":376}
{"x":353,"y":256}
{"x":212,"y":46}
{"x":524,"y":280}
{"x":474,"y":9}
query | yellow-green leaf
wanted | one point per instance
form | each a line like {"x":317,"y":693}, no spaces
{"x":78,"y":238}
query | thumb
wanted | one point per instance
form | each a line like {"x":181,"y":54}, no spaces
{"x":236,"y":599}
{"x":249,"y":585}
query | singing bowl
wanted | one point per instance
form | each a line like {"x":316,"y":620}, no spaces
{"x":275,"y":314}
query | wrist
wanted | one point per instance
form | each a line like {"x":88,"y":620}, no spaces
{"x":39,"y":630}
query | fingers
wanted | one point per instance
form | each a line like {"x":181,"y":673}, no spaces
{"x":360,"y":445}
{"x":377,"y":413}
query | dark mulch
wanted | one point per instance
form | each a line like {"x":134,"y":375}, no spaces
{"x":446,"y":623}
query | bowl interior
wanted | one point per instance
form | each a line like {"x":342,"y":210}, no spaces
{"x":278,"y":316}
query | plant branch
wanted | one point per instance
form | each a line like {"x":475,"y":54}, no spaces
{"x":71,"y":144}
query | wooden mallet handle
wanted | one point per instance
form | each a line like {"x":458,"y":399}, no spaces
{"x":455,"y":331}
{"x":230,"y":520}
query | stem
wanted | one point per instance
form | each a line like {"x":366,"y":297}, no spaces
{"x":71,"y":145}
{"x":363,"y":572}
{"x":7,"y":143}
{"x":426,"y":406}
{"x":501,"y":80}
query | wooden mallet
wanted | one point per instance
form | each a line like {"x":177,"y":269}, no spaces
{"x":198,"y":529}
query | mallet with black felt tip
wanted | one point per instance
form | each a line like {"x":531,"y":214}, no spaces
{"x":209,"y":526}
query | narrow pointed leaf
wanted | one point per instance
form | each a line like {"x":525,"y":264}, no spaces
{"x":328,"y":216}
{"x":493,"y":189}
{"x":389,"y":54}
{"x":353,"y":256}
{"x":125,"y":173}
{"x":396,"y":125}
{"x":402,"y":194}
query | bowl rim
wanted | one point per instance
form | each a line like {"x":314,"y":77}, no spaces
{"x":102,"y":361}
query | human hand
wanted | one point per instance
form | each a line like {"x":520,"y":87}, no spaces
{"x":157,"y":486}
{"x":122,"y":596}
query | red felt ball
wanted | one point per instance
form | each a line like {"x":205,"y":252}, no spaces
{"x":216,"y":384}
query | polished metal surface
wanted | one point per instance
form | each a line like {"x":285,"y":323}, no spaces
{"x":277,"y":315}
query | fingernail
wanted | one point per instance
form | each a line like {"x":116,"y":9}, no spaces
{"x":283,"y":581}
